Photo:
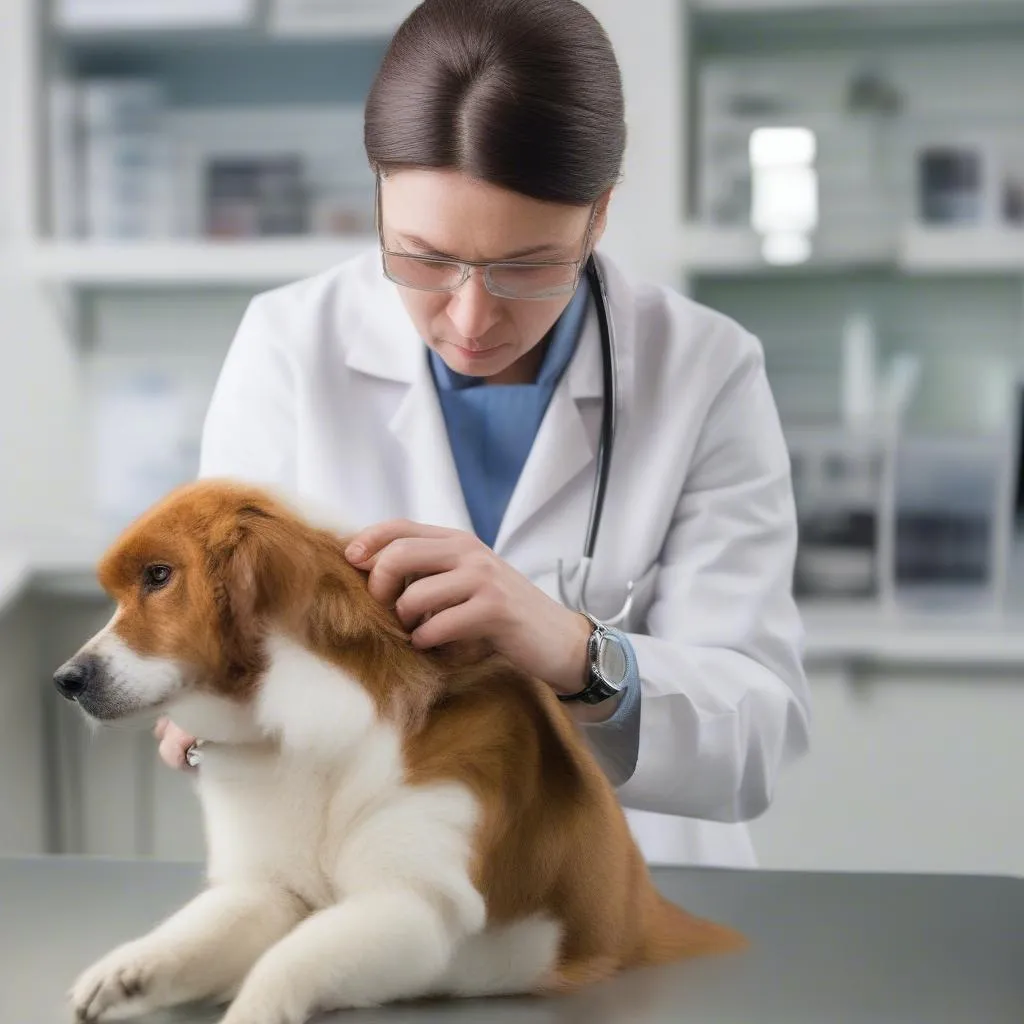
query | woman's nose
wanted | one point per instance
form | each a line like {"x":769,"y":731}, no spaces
{"x":473,"y":309}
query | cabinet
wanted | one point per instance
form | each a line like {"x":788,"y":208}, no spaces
{"x":911,"y":769}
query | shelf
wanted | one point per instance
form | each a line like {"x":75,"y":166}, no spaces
{"x":916,"y":251}
{"x":710,"y":250}
{"x":928,"y":250}
{"x":239,"y":23}
{"x":727,"y":252}
{"x":354,"y":19}
{"x":947,"y":8}
{"x":181,"y":264}
{"x":912,"y":639}
{"x":871,"y":15}
{"x":703,"y":251}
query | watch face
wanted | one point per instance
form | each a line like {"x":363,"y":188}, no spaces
{"x":611,"y":660}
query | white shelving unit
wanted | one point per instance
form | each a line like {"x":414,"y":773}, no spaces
{"x":915,"y":250}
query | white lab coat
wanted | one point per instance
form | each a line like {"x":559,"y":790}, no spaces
{"x":326,"y":393}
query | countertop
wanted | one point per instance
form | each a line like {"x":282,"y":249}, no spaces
{"x":825,"y":949}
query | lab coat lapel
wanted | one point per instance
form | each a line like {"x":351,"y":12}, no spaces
{"x":435,"y":493}
{"x":387,"y":346}
{"x":563,"y":447}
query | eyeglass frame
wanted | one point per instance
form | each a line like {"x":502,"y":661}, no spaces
{"x":467,"y":266}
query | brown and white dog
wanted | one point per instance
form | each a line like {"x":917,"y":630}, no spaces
{"x":382,"y":823}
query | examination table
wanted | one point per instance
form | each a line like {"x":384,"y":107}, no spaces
{"x":825,"y":949}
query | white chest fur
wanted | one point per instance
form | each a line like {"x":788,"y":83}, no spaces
{"x":328,"y":812}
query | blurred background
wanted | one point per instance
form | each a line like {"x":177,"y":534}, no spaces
{"x":844,"y":177}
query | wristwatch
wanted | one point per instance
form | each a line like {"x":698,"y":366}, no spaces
{"x":608,"y":665}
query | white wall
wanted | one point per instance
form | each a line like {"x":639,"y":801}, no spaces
{"x":647,"y":208}
{"x":39,"y":401}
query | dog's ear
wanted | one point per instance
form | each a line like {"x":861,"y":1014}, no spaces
{"x":263,"y":570}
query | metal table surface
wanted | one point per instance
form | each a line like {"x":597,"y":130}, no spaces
{"x":826,"y":949}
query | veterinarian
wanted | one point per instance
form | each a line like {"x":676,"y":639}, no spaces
{"x":450,"y":394}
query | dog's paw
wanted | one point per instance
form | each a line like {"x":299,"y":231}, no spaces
{"x":117,"y":985}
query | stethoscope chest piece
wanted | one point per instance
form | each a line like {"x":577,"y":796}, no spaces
{"x":579,"y":578}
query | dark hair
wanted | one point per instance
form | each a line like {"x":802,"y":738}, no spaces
{"x":523,"y":94}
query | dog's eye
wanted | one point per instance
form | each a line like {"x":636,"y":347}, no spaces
{"x":156,"y":576}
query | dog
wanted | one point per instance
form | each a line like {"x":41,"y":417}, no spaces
{"x":382,"y":823}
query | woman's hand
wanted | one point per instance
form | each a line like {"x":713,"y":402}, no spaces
{"x":461,"y":590}
{"x":173,"y":743}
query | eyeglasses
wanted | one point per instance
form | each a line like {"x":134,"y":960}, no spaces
{"x":507,"y":279}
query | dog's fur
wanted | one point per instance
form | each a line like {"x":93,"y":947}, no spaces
{"x":382,"y":823}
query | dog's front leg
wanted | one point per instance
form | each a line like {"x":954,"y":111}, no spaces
{"x":375,"y":947}
{"x":202,"y":952}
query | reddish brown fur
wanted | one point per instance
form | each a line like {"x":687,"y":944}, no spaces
{"x":553,"y":839}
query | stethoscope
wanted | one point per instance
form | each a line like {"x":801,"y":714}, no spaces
{"x":606,"y":443}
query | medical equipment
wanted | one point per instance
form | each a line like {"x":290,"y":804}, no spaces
{"x":578,"y":602}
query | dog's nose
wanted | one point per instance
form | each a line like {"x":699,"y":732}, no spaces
{"x":73,"y":677}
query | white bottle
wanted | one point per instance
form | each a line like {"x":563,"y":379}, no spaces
{"x":859,"y":375}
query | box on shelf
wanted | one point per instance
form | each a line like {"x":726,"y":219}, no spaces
{"x":256,"y":197}
{"x":953,"y":521}
{"x":110,"y":159}
{"x":839,"y":484}
{"x":310,"y":158}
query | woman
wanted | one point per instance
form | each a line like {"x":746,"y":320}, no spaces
{"x":447,"y":390}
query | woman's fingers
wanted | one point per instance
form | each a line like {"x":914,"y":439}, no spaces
{"x":464,"y":621}
{"x":173,"y":744}
{"x":364,"y":547}
{"x":411,"y":556}
{"x":430,"y":595}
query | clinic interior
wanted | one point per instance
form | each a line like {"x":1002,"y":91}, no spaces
{"x":845,"y":178}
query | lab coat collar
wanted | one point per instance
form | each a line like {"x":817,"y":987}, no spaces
{"x":389,"y":347}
